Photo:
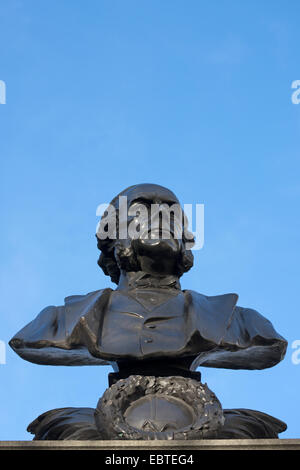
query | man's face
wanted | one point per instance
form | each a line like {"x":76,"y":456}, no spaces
{"x":154,"y":225}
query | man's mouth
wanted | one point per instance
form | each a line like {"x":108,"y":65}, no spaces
{"x":163,"y":243}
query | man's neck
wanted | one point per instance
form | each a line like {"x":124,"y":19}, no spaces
{"x":143,"y":280}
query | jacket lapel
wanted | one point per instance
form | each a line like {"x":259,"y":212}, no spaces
{"x":211,"y":315}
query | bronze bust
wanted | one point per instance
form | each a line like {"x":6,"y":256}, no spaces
{"x":149,"y":327}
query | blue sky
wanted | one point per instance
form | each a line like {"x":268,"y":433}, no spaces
{"x":195,"y":96}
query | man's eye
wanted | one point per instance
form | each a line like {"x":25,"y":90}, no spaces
{"x":138,"y":209}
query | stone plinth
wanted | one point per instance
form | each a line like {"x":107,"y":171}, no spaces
{"x":224,"y":444}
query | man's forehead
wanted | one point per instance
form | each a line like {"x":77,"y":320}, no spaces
{"x":150,"y":192}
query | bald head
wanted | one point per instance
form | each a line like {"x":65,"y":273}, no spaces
{"x":147,"y":192}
